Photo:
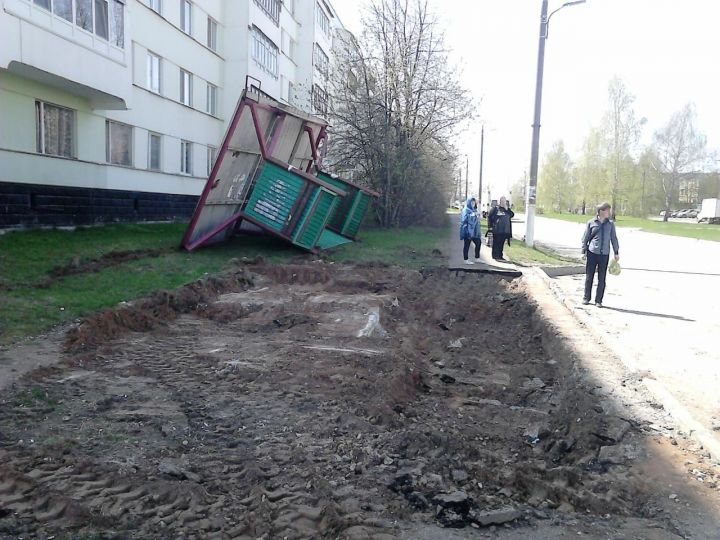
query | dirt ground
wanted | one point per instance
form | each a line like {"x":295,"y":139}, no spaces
{"x":320,"y":400}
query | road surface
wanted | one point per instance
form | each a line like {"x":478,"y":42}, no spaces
{"x":662,"y":314}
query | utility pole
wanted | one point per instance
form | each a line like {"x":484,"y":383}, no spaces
{"x":482,"y":147}
{"x":535,"y":148}
{"x":467,"y":166}
{"x":642,"y":199}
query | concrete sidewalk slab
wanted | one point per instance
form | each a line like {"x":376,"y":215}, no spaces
{"x":486,"y":265}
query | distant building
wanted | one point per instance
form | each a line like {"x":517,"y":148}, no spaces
{"x":113,"y":109}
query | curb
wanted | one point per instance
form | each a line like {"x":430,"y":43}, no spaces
{"x":680,"y":414}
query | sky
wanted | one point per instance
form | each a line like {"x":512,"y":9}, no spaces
{"x":667,"y":52}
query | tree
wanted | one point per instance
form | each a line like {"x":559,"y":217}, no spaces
{"x":395,"y":105}
{"x":556,"y":179}
{"x":622,"y":132}
{"x":678,"y":148}
{"x":590,"y":172}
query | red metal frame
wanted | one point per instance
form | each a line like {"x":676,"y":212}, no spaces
{"x":211,"y":179}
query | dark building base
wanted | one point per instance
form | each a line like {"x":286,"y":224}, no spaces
{"x":31,"y":205}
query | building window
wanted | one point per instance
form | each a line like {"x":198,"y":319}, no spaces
{"x":118,"y":143}
{"x":271,"y":9}
{"x":154,"y":151}
{"x":322,"y":19}
{"x":211,"y":155}
{"x":63,"y":8}
{"x":288,"y":45}
{"x":186,"y":157}
{"x":117,"y":23}
{"x":212,"y":34}
{"x":186,"y":16}
{"x":55,"y":129}
{"x":155,"y":5}
{"x":101,"y":18}
{"x":211,"y":99}
{"x":185,"y":88}
{"x":319,"y":99}
{"x":84,"y":15}
{"x":45,"y":4}
{"x":153,"y":72}
{"x":264,"y":52}
{"x":321,"y":60}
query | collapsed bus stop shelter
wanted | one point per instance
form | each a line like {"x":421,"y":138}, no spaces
{"x":267,"y":177}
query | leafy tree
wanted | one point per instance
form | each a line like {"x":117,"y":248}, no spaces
{"x":555,"y":191}
{"x":621,"y":131}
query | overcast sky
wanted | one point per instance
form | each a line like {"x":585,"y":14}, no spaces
{"x":666,"y":51}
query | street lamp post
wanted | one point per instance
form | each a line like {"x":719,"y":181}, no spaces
{"x":482,"y":148}
{"x":532,"y":186}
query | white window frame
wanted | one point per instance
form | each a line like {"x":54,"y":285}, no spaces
{"x":41,"y":143}
{"x":322,"y":19}
{"x":109,"y":142}
{"x":117,"y":39}
{"x":155,"y":5}
{"x":271,"y":8}
{"x":72,"y":10}
{"x":150,"y":167}
{"x":211,"y":99}
{"x":186,"y":91}
{"x":186,"y":164}
{"x":212,"y":34}
{"x":186,"y":15}
{"x":211,"y":156}
{"x":264,"y":52}
{"x":321,"y":60}
{"x":152,"y":72}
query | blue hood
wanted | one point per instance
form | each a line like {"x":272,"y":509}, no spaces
{"x":468,"y":203}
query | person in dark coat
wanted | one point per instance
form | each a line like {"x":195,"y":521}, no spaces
{"x":501,"y":226}
{"x":470,"y":229}
{"x":599,"y":234}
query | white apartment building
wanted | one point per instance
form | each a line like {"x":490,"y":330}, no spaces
{"x":114,"y":109}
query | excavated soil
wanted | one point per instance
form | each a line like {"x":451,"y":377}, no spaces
{"x":319,"y":400}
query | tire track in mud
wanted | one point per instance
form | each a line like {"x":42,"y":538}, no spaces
{"x":237,"y":430}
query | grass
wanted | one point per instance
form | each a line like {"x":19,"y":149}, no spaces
{"x":32,"y":303}
{"x":691,"y":229}
{"x":521,"y":254}
{"x":412,"y":247}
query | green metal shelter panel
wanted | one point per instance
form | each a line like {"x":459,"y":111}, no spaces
{"x":340,"y":217}
{"x":356,"y":215}
{"x":330,"y":239}
{"x":315,"y":217}
{"x":273,"y":195}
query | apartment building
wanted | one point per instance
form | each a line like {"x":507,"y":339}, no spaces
{"x":114,"y":109}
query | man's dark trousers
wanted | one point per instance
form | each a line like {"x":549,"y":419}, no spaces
{"x":595,"y":263}
{"x":498,"y":245}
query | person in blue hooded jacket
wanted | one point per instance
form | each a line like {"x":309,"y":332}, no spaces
{"x":470,"y":229}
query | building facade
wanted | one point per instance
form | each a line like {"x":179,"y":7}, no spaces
{"x":114,"y":109}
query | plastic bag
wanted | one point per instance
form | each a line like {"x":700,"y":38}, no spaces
{"x":614,"y":267}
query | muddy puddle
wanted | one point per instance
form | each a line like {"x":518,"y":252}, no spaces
{"x":319,"y":400}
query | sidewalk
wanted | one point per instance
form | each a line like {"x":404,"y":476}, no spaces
{"x":486,"y":265}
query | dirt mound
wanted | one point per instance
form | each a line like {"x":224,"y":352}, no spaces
{"x":148,"y":313}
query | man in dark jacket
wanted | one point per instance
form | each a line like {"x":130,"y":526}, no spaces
{"x":599,"y":234}
{"x":499,"y":222}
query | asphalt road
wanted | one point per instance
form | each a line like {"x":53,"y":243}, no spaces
{"x":662,"y":313}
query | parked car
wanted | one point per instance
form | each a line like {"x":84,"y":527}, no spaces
{"x":692,"y":214}
{"x":683,"y":213}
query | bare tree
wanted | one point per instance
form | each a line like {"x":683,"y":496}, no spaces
{"x":678,"y":147}
{"x":396,"y":103}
